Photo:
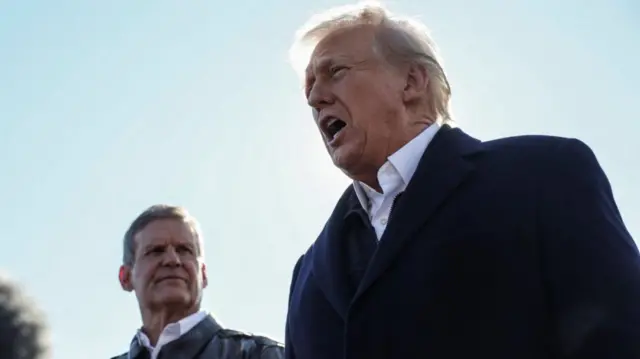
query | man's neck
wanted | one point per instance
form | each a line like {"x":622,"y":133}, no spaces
{"x":369,"y":175}
{"x":154,"y":322}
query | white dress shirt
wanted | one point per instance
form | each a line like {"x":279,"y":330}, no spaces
{"x":393,"y":176}
{"x":171,"y":332}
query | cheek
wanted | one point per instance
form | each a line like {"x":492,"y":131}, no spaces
{"x":387,"y":105}
{"x":356,"y":101}
{"x":141,"y":276}
{"x":194,"y":270}
{"x":367,"y":99}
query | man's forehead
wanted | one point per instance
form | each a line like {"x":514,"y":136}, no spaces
{"x":341,"y":44}
{"x":161,"y":239}
{"x":165,"y":231}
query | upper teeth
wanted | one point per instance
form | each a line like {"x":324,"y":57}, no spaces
{"x":333,"y":120}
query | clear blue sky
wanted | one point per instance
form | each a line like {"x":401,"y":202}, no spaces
{"x":108,"y":107}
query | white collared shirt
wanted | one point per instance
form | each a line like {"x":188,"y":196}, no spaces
{"x":171,"y":332}
{"x":393,"y":176}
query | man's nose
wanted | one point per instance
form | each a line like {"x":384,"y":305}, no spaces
{"x":319,"y":96}
{"x":171,"y":258}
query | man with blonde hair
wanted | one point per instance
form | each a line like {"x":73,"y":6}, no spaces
{"x":446,"y":246}
{"x":163,"y":264}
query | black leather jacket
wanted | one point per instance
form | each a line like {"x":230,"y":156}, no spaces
{"x":208,"y":340}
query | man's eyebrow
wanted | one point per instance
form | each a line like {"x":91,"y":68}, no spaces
{"x":324,"y":63}
{"x":328,"y":62}
{"x":318,"y":66}
{"x":185,"y":244}
{"x":321,"y":65}
{"x":153,"y":246}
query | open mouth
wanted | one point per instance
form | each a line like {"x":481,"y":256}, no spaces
{"x":333,"y":126}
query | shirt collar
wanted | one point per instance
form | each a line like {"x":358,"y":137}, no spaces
{"x":177,"y":329}
{"x":404,"y":162}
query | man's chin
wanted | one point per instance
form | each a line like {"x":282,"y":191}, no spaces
{"x":173,"y":298}
{"x":345,"y":159}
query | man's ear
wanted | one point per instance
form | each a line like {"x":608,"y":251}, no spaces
{"x":417,"y":81}
{"x":205,"y":280}
{"x":124,"y":276}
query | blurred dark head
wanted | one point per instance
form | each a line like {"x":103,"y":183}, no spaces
{"x":23,"y":331}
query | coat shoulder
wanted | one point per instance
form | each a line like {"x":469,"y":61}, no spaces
{"x":259,"y":340}
{"x":531,"y":142}
{"x":538,"y":150}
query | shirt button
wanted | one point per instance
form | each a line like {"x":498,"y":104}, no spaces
{"x":383,"y":221}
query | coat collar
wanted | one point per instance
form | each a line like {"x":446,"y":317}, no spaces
{"x":188,"y":345}
{"x":442,"y":168}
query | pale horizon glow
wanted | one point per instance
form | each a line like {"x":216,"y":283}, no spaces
{"x":109,"y":107}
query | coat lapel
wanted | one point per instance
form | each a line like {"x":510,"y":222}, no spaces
{"x":329,"y":256}
{"x":194,"y":341}
{"x":442,"y":168}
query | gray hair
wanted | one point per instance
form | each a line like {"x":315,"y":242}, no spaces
{"x":155,"y":213}
{"x":398,"y":40}
{"x":23,"y":331}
